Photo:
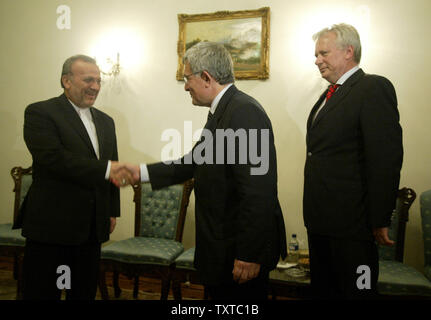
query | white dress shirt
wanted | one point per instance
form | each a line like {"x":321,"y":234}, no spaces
{"x":87,"y":120}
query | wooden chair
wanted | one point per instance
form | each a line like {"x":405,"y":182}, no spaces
{"x":397,"y":279}
{"x":159,"y":225}
{"x":185,"y":272}
{"x":425,"y":202}
{"x":11,"y":241}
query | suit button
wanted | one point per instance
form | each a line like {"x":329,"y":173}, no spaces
{"x":309,"y":154}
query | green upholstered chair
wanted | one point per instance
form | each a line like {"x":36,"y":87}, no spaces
{"x":159,"y":225}
{"x":397,"y":279}
{"x":185,"y":272}
{"x":11,"y":241}
{"x":425,"y":203}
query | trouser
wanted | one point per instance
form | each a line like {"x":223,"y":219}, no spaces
{"x":49,"y":267}
{"x":343,"y":268}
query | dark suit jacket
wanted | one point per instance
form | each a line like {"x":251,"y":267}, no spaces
{"x":354,"y":157}
{"x":237,"y":214}
{"x":69,"y":192}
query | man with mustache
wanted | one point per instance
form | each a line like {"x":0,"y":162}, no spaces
{"x":352,"y":169}
{"x":71,"y":206}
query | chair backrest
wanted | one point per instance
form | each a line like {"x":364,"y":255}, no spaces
{"x":425,"y":202}
{"x":397,"y":229}
{"x":22,"y":179}
{"x":161,"y":213}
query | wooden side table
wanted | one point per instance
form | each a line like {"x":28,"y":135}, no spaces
{"x":293,"y":282}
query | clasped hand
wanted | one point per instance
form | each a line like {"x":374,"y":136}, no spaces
{"x":123,"y":174}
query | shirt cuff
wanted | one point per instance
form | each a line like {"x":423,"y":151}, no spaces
{"x":144,"y":173}
{"x":108,"y":170}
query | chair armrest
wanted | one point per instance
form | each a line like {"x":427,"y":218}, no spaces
{"x":427,"y":272}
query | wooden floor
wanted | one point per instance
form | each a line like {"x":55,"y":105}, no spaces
{"x":147,"y":285}
{"x":150,"y":285}
{"x":149,"y":288}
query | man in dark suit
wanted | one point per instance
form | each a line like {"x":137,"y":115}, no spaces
{"x":240,"y":231}
{"x":71,"y":206}
{"x":352,"y":170}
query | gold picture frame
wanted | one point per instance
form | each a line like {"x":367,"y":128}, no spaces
{"x":244,"y":33}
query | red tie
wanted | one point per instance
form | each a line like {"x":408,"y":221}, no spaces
{"x":331,"y":91}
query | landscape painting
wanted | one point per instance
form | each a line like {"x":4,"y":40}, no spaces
{"x":244,"y":33}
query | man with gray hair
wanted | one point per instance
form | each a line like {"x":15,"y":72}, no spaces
{"x":71,"y":206}
{"x":240,"y":232}
{"x":352,"y":169}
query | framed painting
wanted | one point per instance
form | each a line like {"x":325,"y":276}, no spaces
{"x":244,"y":33}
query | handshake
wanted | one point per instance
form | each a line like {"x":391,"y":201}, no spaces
{"x":123,"y":174}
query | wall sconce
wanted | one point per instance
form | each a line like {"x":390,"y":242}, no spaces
{"x":107,"y":46}
{"x":114,"y":67}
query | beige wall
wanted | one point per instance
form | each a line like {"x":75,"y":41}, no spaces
{"x":147,"y":99}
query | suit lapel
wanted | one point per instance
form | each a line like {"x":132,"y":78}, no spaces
{"x":342,"y":91}
{"x":212,"y":124}
{"x":100,"y":131}
{"x":315,"y":108}
{"x":221,"y":108}
{"x":72,"y":117}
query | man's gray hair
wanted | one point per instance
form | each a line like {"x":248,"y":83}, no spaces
{"x":67,"y":65}
{"x":211,"y":57}
{"x":346,"y":36}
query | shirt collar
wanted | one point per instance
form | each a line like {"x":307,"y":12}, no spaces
{"x":217,"y":99}
{"x":80,"y":110}
{"x":347,"y":75}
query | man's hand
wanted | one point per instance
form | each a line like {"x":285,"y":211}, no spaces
{"x":245,"y":271}
{"x":134,"y":170}
{"x":113,"y":224}
{"x":382,"y":237}
{"x":123,"y":174}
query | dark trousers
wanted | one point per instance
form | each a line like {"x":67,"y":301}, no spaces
{"x":334,"y":266}
{"x":41,"y":274}
{"x":255,"y":289}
